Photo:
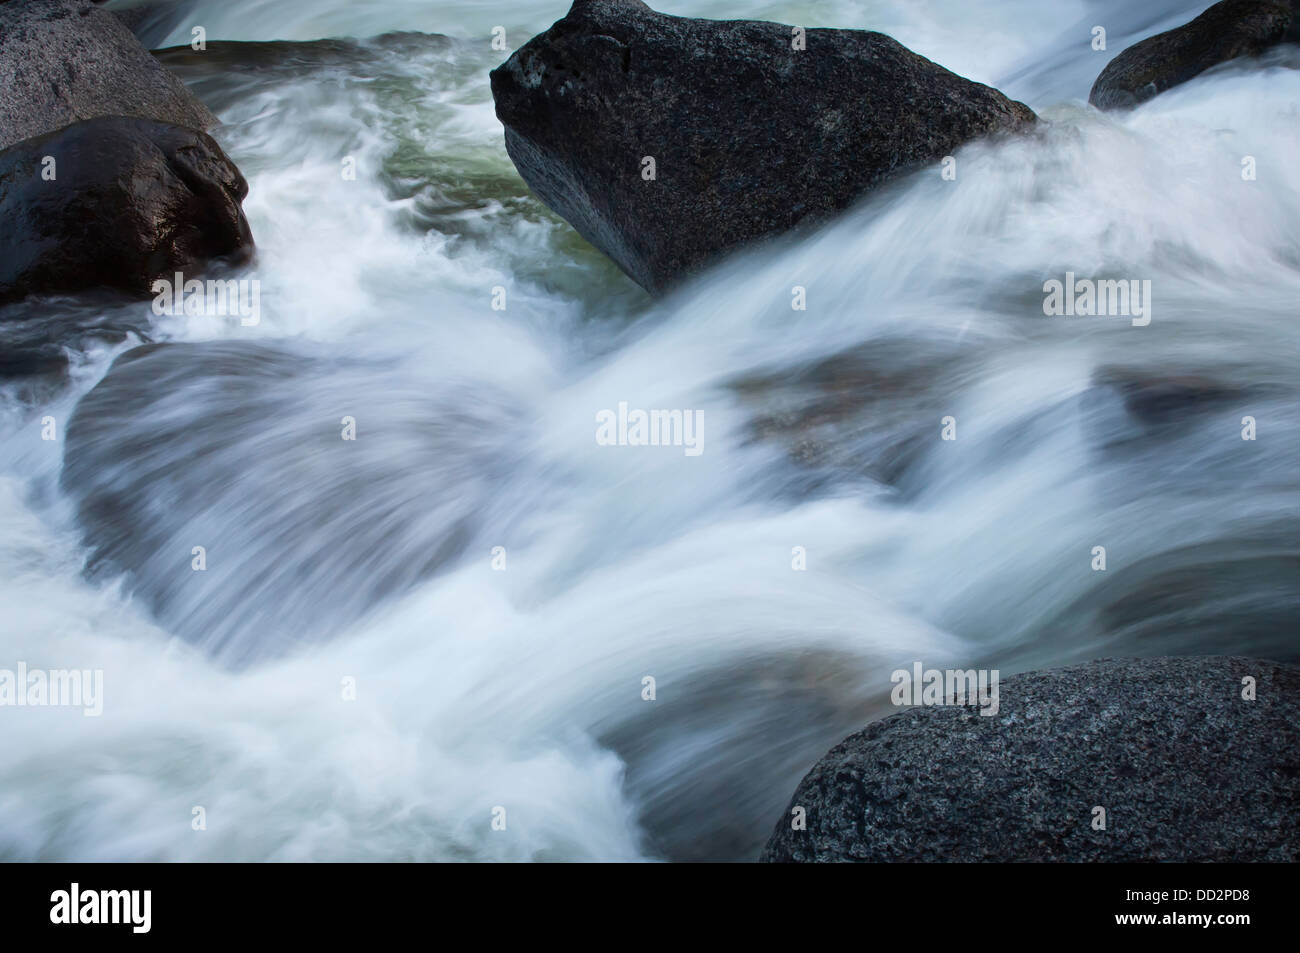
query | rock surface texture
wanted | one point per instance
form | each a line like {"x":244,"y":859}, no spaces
{"x":1184,"y":766}
{"x":65,"y":60}
{"x":667,"y":141}
{"x":129,"y":201}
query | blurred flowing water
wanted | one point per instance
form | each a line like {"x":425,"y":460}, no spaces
{"x":476,"y":688}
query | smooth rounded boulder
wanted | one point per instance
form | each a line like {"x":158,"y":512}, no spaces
{"x":116,"y":203}
{"x":62,"y":61}
{"x":1160,"y":759}
{"x":243,"y":448}
{"x":668,"y":141}
{"x":1226,"y":31}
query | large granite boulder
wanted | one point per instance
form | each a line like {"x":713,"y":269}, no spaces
{"x":66,"y":60}
{"x":753,"y":128}
{"x":1225,"y":31}
{"x":1185,"y":767}
{"x":116,"y":203}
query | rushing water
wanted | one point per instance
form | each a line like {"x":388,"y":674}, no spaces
{"x":521,"y":688}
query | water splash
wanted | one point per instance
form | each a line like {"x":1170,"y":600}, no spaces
{"x":371,"y":561}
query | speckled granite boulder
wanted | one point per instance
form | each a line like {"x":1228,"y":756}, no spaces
{"x":1184,"y":766}
{"x":753,"y":129}
{"x":66,"y":60}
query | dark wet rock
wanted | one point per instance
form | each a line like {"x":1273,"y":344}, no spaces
{"x":66,"y":60}
{"x":749,"y":136}
{"x":131,"y":201}
{"x":1226,"y":31}
{"x":1186,"y":769}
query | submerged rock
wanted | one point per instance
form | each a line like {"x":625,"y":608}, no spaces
{"x":667,"y":141}
{"x":1185,"y":767}
{"x":868,"y":411}
{"x":1224,"y":32}
{"x":228,"y":72}
{"x":294,"y":59}
{"x":1160,"y":400}
{"x":303,"y":474}
{"x":66,"y":60}
{"x":35,"y":342}
{"x":116,"y":203}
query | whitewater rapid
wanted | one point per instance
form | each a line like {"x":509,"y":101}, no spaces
{"x":521,"y":688}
